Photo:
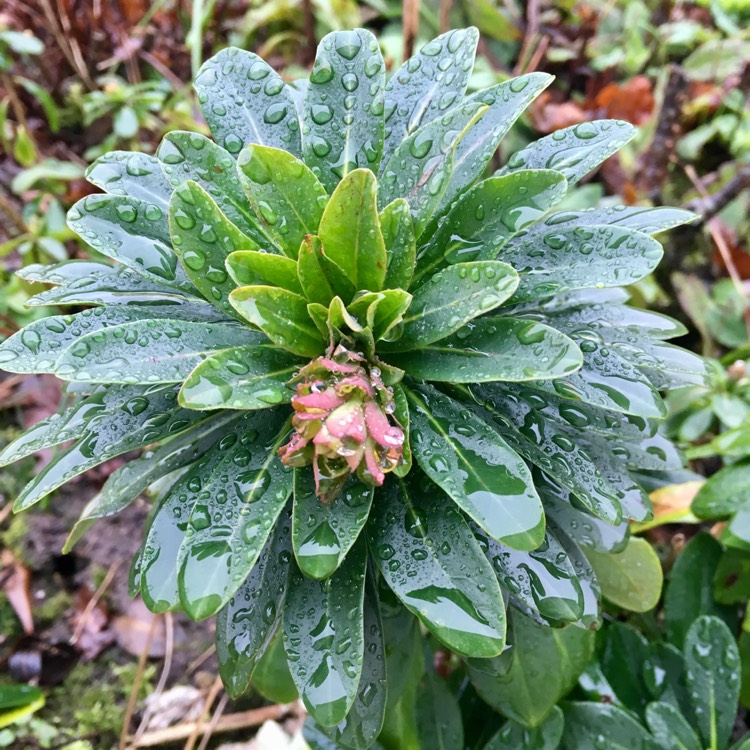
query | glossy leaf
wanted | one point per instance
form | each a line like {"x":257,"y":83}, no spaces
{"x":631,"y":579}
{"x":542,"y":665}
{"x":271,"y":676}
{"x":492,"y":349}
{"x":476,"y":468}
{"x":249,"y":268}
{"x":320,"y":278}
{"x":202,"y":238}
{"x":350,"y":231}
{"x":343,"y":107}
{"x":488,"y":215}
{"x":425,"y":550}
{"x":323,"y":534}
{"x":244,"y":101}
{"x":712,"y":673}
{"x":670,"y":728}
{"x":437,"y":714}
{"x":324,"y":637}
{"x":574,"y":151}
{"x":383,"y":312}
{"x":514,"y":736}
{"x":132,"y":174}
{"x":281,"y":315}
{"x":585,"y":723}
{"x":451,"y":298}
{"x":148,"y":351}
{"x":285,"y":194}
{"x":428,"y":85}
{"x":250,"y":619}
{"x":400,"y":244}
{"x":243,"y":377}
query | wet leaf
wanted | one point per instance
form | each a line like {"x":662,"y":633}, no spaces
{"x":437,"y":714}
{"x":670,"y":728}
{"x":131,"y":174}
{"x":400,"y":244}
{"x":588,"y":725}
{"x":321,"y":279}
{"x":249,"y":268}
{"x":514,"y":736}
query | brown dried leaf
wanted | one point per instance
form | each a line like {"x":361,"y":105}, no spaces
{"x":16,"y":579}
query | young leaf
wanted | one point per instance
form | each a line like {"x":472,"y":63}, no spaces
{"x":424,"y":549}
{"x":453,"y":297}
{"x":324,"y":637}
{"x":322,"y":534}
{"x":574,"y":151}
{"x":381,"y":311}
{"x":476,"y":468}
{"x":320,"y":278}
{"x":350,"y":231}
{"x":400,"y":244}
{"x":244,"y":100}
{"x":281,"y":315}
{"x":428,"y":85}
{"x":284,"y":193}
{"x":244,"y":377}
{"x":249,"y":268}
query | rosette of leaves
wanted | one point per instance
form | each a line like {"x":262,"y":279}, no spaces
{"x":353,"y":213}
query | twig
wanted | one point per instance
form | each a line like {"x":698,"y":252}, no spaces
{"x":411,"y":25}
{"x":98,"y":594}
{"x":708,"y":205}
{"x":227,"y":723}
{"x":214,"y":721}
{"x":200,"y":725}
{"x":210,"y":651}
{"x":308,"y":15}
{"x":532,"y":30}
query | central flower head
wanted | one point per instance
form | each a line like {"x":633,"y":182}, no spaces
{"x":344,"y":424}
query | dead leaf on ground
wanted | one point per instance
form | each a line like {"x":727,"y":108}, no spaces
{"x":132,"y":630}
{"x":15,"y":580}
{"x":548,"y":114}
{"x":672,"y":504}
{"x":632,"y":101}
{"x":91,"y":625}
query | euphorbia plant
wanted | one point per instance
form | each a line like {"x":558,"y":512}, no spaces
{"x":357,"y":368}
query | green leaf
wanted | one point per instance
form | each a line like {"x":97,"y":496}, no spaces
{"x":670,"y":728}
{"x":690,"y":591}
{"x":285,"y":194}
{"x":453,"y":297}
{"x":382,"y":312}
{"x":229,"y":527}
{"x":400,"y":244}
{"x":402,"y":417}
{"x":271,"y":677}
{"x":247,"y":624}
{"x":133,"y":233}
{"x":437,"y":714}
{"x":133,"y":174}
{"x":148,"y":351}
{"x":321,"y":278}
{"x":476,"y":468}
{"x":343,"y":107}
{"x":488,"y":215}
{"x":364,"y":722}
{"x":244,"y":377}
{"x":424,"y":549}
{"x":580,"y":258}
{"x":202,"y":238}
{"x":585,"y":723}
{"x":574,"y":151}
{"x":244,"y":101}
{"x":732,"y":577}
{"x":249,"y":268}
{"x":712,"y":662}
{"x":419,"y":169}
{"x":631,"y":579}
{"x":543,"y":580}
{"x":724,"y":493}
{"x":191,"y":156}
{"x":281,"y":315}
{"x":623,"y":652}
{"x":428,"y":84}
{"x":514,"y":736}
{"x":542,"y":665}
{"x":324,"y":637}
{"x":323,"y":534}
{"x":505,"y":103}
{"x":490,"y":349}
{"x":350,"y":231}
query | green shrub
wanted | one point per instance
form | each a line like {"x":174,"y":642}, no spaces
{"x":358,"y":369}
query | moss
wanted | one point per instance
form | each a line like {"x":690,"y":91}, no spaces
{"x":52,"y":609}
{"x":13,"y":537}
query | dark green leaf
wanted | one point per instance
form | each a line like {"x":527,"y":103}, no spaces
{"x":588,"y":725}
{"x":324,"y":637}
{"x":429,"y":557}
{"x":323,"y":534}
{"x":350,"y":231}
{"x":244,"y":101}
{"x":492,"y":349}
{"x":271,"y":677}
{"x":285,"y":194}
{"x":244,"y":377}
{"x":343,"y":107}
{"x":724,"y":493}
{"x":541,"y":666}
{"x":281,"y":315}
{"x":712,"y":672}
{"x":488,"y":215}
{"x":476,"y":468}
{"x":574,"y":151}
{"x":670,"y":728}
{"x":451,"y":298}
{"x":400,"y":244}
{"x":428,"y":84}
{"x":623,"y":654}
{"x":514,"y":736}
{"x":437,"y":714}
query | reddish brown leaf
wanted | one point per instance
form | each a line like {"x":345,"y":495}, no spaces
{"x":15,"y":579}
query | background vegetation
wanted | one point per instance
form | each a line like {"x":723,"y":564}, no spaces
{"x":78,"y":79}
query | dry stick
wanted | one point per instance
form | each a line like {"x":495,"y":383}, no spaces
{"x":710,"y":205}
{"x":410,"y":13}
{"x":539,"y":52}
{"x":227,"y":723}
{"x":74,"y":47}
{"x":200,"y":725}
{"x":98,"y":594}
{"x":308,"y":15}
{"x":444,"y":15}
{"x":529,"y":37}
{"x":210,"y":651}
{"x":214,"y":721}
{"x":136,"y":685}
